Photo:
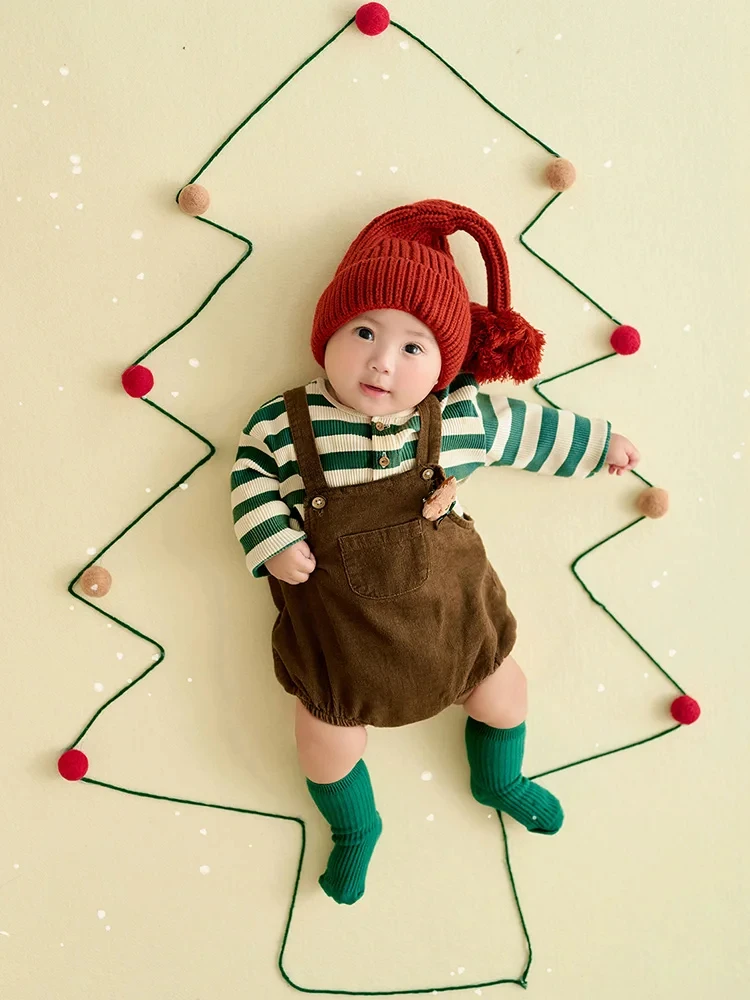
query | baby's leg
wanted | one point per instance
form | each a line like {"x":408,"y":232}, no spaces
{"x":339,"y":783}
{"x":327,"y":753}
{"x":495,"y":737}
{"x":500,"y":700}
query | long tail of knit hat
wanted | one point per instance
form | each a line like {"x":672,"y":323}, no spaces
{"x":402,"y":260}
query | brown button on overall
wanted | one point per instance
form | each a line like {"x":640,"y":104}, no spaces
{"x":401,"y":616}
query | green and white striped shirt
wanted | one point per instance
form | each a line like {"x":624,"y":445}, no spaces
{"x":478,"y":430}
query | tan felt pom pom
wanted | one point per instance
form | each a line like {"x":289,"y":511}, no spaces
{"x":560,"y":174}
{"x":653,"y":502}
{"x":96,"y":581}
{"x":194,"y":199}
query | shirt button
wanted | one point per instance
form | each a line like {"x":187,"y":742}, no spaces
{"x":380,"y":426}
{"x":428,"y":474}
{"x":319,"y":502}
{"x":385,"y":461}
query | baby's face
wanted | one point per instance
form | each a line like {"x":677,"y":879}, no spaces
{"x":385,"y":348}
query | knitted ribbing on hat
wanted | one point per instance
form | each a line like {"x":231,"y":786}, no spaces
{"x":402,"y":260}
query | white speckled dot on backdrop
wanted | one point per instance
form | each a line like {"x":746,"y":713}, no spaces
{"x":109,"y":895}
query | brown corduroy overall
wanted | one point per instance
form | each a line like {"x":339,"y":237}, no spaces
{"x":402,"y":616}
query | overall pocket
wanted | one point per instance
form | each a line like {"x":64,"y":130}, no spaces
{"x":386,"y":562}
{"x":462,"y":520}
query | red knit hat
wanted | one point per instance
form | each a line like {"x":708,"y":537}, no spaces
{"x":401,"y":260}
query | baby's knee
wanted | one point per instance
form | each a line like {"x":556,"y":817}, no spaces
{"x":315,"y":734}
{"x":501,"y":700}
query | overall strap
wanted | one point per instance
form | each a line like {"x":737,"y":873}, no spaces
{"x":303,"y":436}
{"x":430,"y":433}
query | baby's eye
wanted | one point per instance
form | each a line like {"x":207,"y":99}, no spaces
{"x":418,"y":351}
{"x":366,"y":330}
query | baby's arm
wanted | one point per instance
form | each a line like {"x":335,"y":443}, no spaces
{"x":524,"y":435}
{"x":261,"y":516}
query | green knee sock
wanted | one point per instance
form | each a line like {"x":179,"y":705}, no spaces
{"x":349,"y":807}
{"x":495,"y":758}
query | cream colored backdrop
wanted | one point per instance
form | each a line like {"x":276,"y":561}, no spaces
{"x":644,"y":892}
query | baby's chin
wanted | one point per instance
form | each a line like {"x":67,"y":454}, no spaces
{"x":372,"y":407}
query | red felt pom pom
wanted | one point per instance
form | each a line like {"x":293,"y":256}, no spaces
{"x":625,"y":340}
{"x":503,"y":345}
{"x":685,"y":709}
{"x":372,"y":18}
{"x":73,"y":765}
{"x":137,"y":380}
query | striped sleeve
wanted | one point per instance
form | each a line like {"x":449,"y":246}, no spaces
{"x":543,"y":439}
{"x":261,"y":516}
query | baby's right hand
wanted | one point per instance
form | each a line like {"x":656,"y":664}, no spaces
{"x":293,"y":565}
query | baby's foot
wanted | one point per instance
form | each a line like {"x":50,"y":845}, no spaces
{"x":496,"y":757}
{"x":344,"y":878}
{"x":528,"y":803}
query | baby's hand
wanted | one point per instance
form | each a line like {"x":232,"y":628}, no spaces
{"x":293,"y":565}
{"x":622,"y":455}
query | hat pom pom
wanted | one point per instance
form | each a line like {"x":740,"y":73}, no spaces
{"x":503,"y":345}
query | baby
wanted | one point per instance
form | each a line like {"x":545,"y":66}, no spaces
{"x":389,"y":611}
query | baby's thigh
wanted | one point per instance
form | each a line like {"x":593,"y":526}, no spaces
{"x":501,"y":699}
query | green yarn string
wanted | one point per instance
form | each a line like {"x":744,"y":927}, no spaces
{"x":471,"y":87}
{"x":522,"y":979}
{"x":301,"y":824}
{"x":197,"y":312}
{"x":270,"y":97}
{"x":112,"y":618}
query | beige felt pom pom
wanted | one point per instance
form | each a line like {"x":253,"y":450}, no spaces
{"x":193,"y":199}
{"x":653,"y":502}
{"x":560,"y":174}
{"x":96,"y":581}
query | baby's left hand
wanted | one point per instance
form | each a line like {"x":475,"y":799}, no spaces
{"x":622,"y":455}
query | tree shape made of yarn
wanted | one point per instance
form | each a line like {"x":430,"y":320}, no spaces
{"x":93,"y":581}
